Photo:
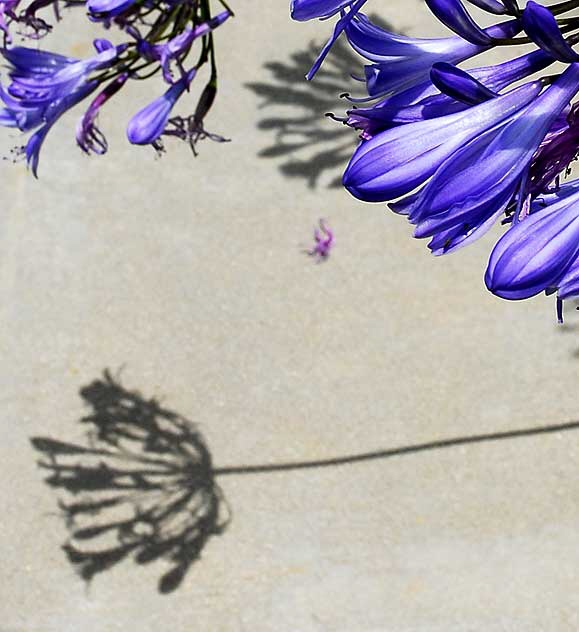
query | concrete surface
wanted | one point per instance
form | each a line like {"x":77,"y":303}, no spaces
{"x":188,"y":273}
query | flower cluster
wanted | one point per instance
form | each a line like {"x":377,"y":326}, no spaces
{"x":456,"y":150}
{"x":158,"y":36}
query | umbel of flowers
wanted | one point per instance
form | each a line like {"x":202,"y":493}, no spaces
{"x":160,"y":37}
{"x":456,"y":151}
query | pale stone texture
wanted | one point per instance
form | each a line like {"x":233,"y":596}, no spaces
{"x":189,"y":274}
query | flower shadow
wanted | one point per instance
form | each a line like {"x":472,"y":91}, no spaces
{"x":140,"y":486}
{"x":141,"y":483}
{"x":310,"y":145}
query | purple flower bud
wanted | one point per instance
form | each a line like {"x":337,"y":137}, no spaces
{"x":541,"y":26}
{"x":534,"y":254}
{"x":44,"y":86}
{"x":148,"y":124}
{"x":423,"y":102}
{"x":459,"y":85}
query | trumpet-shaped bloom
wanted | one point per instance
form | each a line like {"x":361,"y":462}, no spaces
{"x":40,"y":79}
{"x":424,"y":101}
{"x":53,"y":113}
{"x":536,"y":254}
{"x":484,"y":174}
{"x":396,"y":161}
{"x":43,"y":86}
{"x":403,"y":62}
{"x":148,"y":124}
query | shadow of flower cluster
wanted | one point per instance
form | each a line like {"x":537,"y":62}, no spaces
{"x":141,"y":487}
{"x":311,"y":145}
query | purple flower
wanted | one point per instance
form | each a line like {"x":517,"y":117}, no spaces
{"x":148,"y":124}
{"x":88,"y":136}
{"x":178,"y":46}
{"x":303,"y":10}
{"x":541,"y":26}
{"x":34,"y":144}
{"x":108,"y":8}
{"x":340,"y":26}
{"x":424,"y":101}
{"x":396,"y":161}
{"x":556,"y":152}
{"x":40,"y":79}
{"x":453,"y":15}
{"x":479,"y":179}
{"x":404,"y":62}
{"x":324,"y":238}
{"x":536,"y":254}
{"x":43,"y":86}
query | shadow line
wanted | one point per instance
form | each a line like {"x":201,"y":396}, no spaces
{"x":383,"y":454}
{"x":141,"y":485}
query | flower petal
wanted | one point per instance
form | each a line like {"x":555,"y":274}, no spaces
{"x":458,"y":84}
{"x":533,"y":254}
{"x":453,"y":14}
{"x":148,"y":124}
{"x":541,"y":26}
{"x":394,"y":162}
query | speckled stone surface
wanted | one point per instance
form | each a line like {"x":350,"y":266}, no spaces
{"x":189,"y":275}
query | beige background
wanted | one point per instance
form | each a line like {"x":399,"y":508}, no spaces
{"x":189,"y":274}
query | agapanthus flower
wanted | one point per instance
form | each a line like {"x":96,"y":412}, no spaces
{"x":535,"y":254}
{"x":454,"y":152}
{"x":402,"y":62}
{"x":308,"y":9}
{"x":425,"y":101}
{"x":149,"y":123}
{"x":396,"y":161}
{"x":88,"y":136}
{"x":176,"y":47}
{"x":479,"y":180}
{"x":42,"y":84}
